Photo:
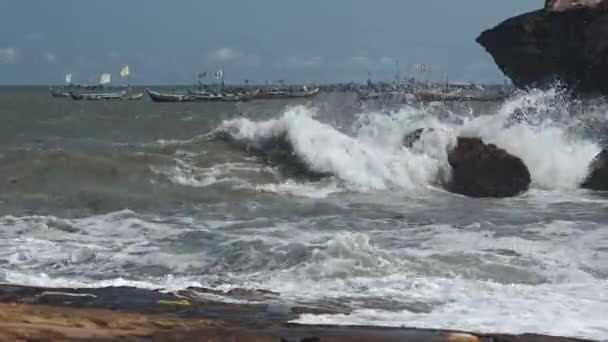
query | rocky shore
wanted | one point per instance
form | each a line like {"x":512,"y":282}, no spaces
{"x":107,"y":314}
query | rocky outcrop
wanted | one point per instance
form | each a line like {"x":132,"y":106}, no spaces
{"x":479,"y":169}
{"x":51,"y":314}
{"x":567,"y":41}
{"x":598,"y":173}
{"x":484,"y":170}
{"x":566,"y":5}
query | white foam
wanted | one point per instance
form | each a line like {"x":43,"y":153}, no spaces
{"x":310,"y":190}
{"x":373,"y":156}
{"x":167,"y":283}
{"x":360,"y":164}
{"x":575,"y":310}
{"x":556,"y":160}
{"x":563,"y":298}
{"x":185,"y":173}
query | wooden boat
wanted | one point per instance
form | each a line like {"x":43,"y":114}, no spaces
{"x":97,"y":96}
{"x":198,"y":92}
{"x":59,"y":93}
{"x":133,"y":97}
{"x":206,"y":96}
{"x":280,"y":94}
{"x":166,"y":97}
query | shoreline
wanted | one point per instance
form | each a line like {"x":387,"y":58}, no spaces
{"x":125,"y":313}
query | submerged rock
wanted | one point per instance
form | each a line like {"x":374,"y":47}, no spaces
{"x":484,"y":170}
{"x":567,"y":41}
{"x":598,"y":173}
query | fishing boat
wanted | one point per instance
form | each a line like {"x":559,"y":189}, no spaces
{"x":225,"y":96}
{"x":106,"y":79}
{"x":137,"y":96}
{"x":198,"y":92}
{"x":168,"y":97}
{"x":281,"y":94}
{"x":208,"y":97}
{"x":65,"y":91}
{"x":59,"y":93}
{"x":98,"y":96}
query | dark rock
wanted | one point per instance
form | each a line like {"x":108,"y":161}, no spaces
{"x":566,"y":5}
{"x":598,"y":173}
{"x":480,"y":170}
{"x":566,"y":42}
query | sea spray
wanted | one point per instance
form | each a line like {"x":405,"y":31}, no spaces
{"x":534,"y":126}
{"x":360,"y":164}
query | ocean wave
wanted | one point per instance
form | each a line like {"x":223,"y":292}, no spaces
{"x":534,"y":126}
{"x":322,"y":149}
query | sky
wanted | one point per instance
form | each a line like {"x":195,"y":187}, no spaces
{"x":171,"y":41}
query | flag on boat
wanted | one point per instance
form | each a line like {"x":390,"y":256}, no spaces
{"x":124,"y":72}
{"x":105,"y":78}
{"x":202,"y":75}
{"x":219,"y":74}
{"x":68,"y":78}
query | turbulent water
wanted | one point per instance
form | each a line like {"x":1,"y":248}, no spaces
{"x":316,"y":200}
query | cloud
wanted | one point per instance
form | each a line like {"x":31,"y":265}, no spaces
{"x":8,"y":55}
{"x":226,"y":54}
{"x":304,"y":62}
{"x":50,"y":57}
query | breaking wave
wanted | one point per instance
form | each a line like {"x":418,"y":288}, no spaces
{"x":535,"y":126}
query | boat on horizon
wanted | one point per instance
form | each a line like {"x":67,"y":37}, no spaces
{"x":59,"y":93}
{"x":168,"y":97}
{"x":98,"y":96}
{"x":223,"y":96}
{"x":105,"y":79}
{"x":285,"y":94}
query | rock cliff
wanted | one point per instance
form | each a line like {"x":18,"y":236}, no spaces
{"x":566,"y":41}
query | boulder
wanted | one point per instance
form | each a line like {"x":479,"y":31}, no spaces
{"x":567,"y":41}
{"x":484,"y":170}
{"x":598,"y":173}
{"x":479,"y":169}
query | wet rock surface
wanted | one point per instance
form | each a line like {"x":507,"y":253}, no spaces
{"x":129,"y":314}
{"x":484,"y":170}
{"x":479,"y":169}
{"x":566,"y":5}
{"x":566,"y":42}
{"x":598,"y":173}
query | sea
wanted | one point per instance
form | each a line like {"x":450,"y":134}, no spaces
{"x":315,"y":199}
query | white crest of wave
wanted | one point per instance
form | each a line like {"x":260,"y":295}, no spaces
{"x":555,"y":158}
{"x":361,"y":163}
{"x":535,"y":126}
